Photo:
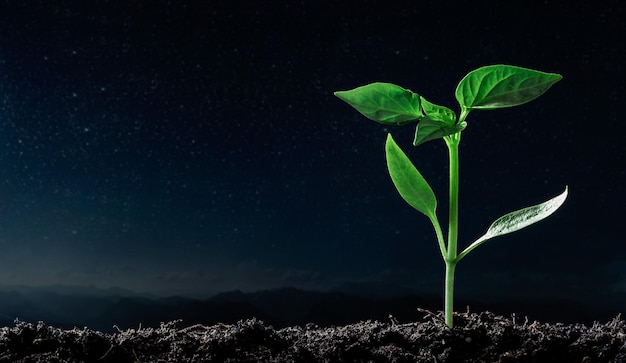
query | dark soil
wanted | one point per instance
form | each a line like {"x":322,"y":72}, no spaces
{"x":482,"y":337}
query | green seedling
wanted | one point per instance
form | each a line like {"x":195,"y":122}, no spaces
{"x":486,"y":88}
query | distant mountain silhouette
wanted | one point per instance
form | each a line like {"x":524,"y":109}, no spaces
{"x":89,"y":307}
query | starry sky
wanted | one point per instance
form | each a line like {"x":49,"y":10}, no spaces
{"x":193,"y":147}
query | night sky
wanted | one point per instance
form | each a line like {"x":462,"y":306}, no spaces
{"x":194,"y":147}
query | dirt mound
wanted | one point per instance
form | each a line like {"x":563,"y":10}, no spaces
{"x":483,"y":337}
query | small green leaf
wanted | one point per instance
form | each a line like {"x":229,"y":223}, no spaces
{"x":438,"y":122}
{"x":501,"y":86}
{"x":438,"y":113}
{"x":517,"y":220}
{"x":428,"y":129}
{"x":384,"y":102}
{"x":408,"y":181}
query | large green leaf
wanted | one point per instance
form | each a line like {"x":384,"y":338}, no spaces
{"x":500,"y":86}
{"x":517,"y":220}
{"x":408,"y":181}
{"x":384,"y":102}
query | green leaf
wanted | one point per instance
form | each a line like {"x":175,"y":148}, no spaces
{"x":517,"y":220}
{"x":501,"y":86}
{"x":428,"y":129}
{"x":438,"y":113}
{"x":438,"y":122}
{"x":384,"y":102}
{"x":408,"y":181}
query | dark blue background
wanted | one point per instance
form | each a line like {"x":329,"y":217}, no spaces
{"x":195,"y":147}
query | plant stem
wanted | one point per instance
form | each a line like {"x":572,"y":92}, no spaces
{"x":449,"y":293}
{"x":452,"y":142}
{"x":453,"y":222}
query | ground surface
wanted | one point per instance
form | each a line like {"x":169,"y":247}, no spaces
{"x":482,"y":337}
